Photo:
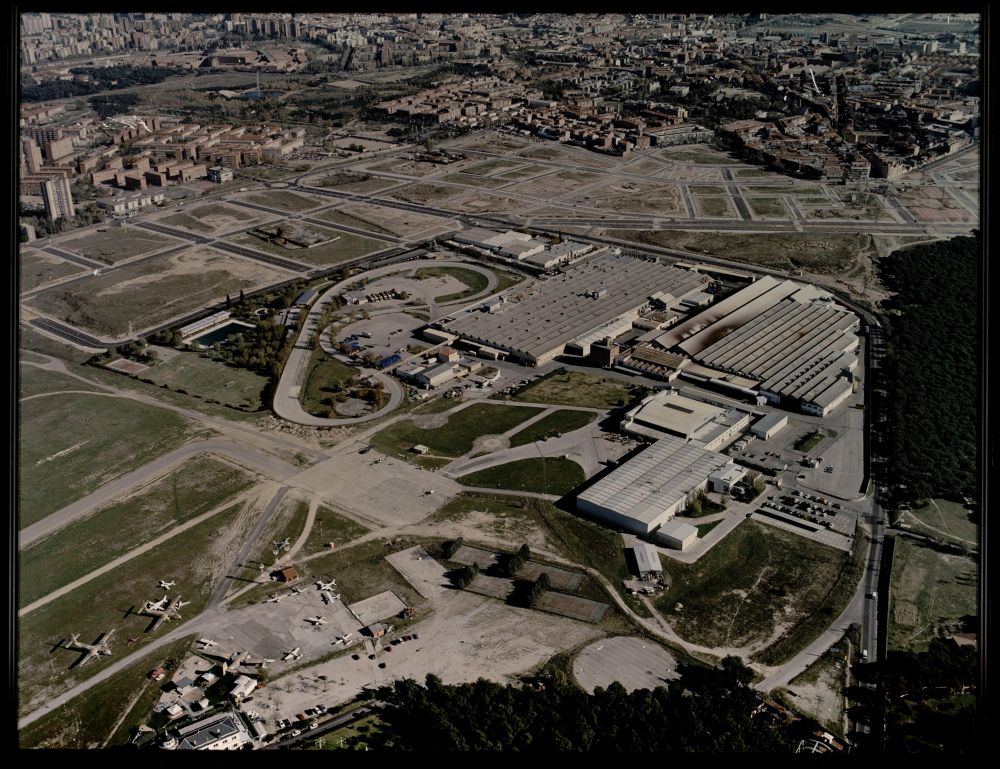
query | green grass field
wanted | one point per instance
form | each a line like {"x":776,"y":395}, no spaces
{"x":37,"y":268}
{"x":34,"y":381}
{"x":192,"y":559}
{"x":197,"y":486}
{"x":30,"y":339}
{"x":102,"y":439}
{"x":351,"y":736}
{"x":945,"y":519}
{"x":283,"y":199}
{"x":928,"y":590}
{"x":330,"y":526}
{"x":574,"y":388}
{"x":740,"y":590}
{"x":326,"y":377}
{"x":545,"y":475}
{"x":89,"y":720}
{"x":457,"y":436}
{"x":475,"y":282}
{"x":346,"y":246}
{"x":768,"y":207}
{"x":704,"y":528}
{"x":562,"y":421}
{"x":809,"y":441}
{"x":714,"y":207}
{"x":203,"y":377}
{"x":336,"y":216}
{"x":706,"y":189}
{"x":114,"y":245}
{"x":507,"y":279}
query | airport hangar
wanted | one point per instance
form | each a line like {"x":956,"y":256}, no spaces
{"x":789,"y":338}
{"x":569,"y":312}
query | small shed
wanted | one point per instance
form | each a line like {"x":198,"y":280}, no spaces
{"x":677,"y":534}
{"x":419,"y":449}
{"x":288,"y":574}
{"x":647,"y":559}
{"x":376,"y":629}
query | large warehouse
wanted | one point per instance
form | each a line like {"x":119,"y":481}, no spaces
{"x":649,"y":489}
{"x":582,"y":305}
{"x":669,"y":413}
{"x":788,"y":337}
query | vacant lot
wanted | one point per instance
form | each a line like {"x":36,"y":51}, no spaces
{"x":930,"y":590}
{"x":89,"y":721}
{"x":770,"y":207}
{"x":285,"y":200}
{"x":697,"y":155}
{"x":476,"y":282}
{"x":552,"y":425}
{"x":545,"y":475}
{"x":214,"y":218}
{"x":153,"y":291}
{"x":491,"y":167}
{"x":349,"y":181}
{"x":555,"y":184}
{"x":210,"y":380}
{"x":947,"y":520}
{"x":38,"y":268}
{"x":425,"y":193}
{"x":574,"y":388}
{"x":196,"y":559}
{"x":520,"y":173}
{"x":340,"y":216}
{"x":457,"y":436}
{"x":824,"y":254}
{"x":345,"y":246}
{"x":749,"y":586}
{"x":488,"y":182}
{"x":71,"y":445}
{"x":35,"y":380}
{"x":112,"y":245}
{"x":633,"y":196}
{"x":197,"y":486}
{"x":330,"y":526}
{"x":715,"y":207}
{"x":934,"y":204}
{"x":478,"y":203}
{"x":394,"y":221}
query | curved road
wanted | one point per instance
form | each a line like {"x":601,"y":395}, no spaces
{"x":269,"y":466}
{"x":286,"y":394}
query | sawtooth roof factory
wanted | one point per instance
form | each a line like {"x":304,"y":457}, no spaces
{"x":569,"y":312}
{"x":789,"y":338}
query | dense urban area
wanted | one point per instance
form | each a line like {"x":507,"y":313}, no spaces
{"x":421,"y":381}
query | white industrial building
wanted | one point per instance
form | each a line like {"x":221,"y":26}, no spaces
{"x":578,"y":306}
{"x":669,"y":413}
{"x":522,"y":247}
{"x":770,"y":425}
{"x":648,"y":490}
{"x":222,"y":731}
{"x":677,"y":534}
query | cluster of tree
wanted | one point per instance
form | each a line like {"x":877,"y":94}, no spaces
{"x":109,"y":105}
{"x":706,"y":710}
{"x":263,"y":349}
{"x":932,"y":353}
{"x":136,"y":350}
{"x":101,"y":79}
{"x":463,"y":576}
{"x":448,"y":549}
{"x":512,"y":564}
{"x":538,"y":589}
{"x":698,"y":503}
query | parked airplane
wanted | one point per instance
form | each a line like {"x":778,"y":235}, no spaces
{"x":158,"y":605}
{"x":96,"y":649}
{"x":296,"y":590}
{"x":162,"y":613}
{"x":326,"y":585}
{"x":317,"y":620}
{"x":283,"y":544}
{"x":207,"y":642}
{"x":167,"y":585}
{"x":273,"y":599}
{"x":293,"y":654}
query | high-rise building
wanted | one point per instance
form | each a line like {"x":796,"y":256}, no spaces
{"x":31,"y":155}
{"x":58,"y":199}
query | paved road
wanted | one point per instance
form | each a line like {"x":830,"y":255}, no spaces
{"x":269,"y":466}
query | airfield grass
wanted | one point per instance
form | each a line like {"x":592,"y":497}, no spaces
{"x":330,"y":526}
{"x":283,"y":199}
{"x":475,"y":282}
{"x":739,"y":591}
{"x":87,"y":721}
{"x":191,"y":558}
{"x":326,"y":375}
{"x":197,"y":486}
{"x":583,"y":542}
{"x":929,"y":590}
{"x":945,"y":519}
{"x":768,"y":207}
{"x":34,"y":381}
{"x":574,"y":388}
{"x":545,"y":475}
{"x":213,"y":380}
{"x":114,"y":245}
{"x":37,"y":268}
{"x":347,"y":246}
{"x":457,"y":436}
{"x":288,"y":521}
{"x":714,"y":206}
{"x":562,"y":421}
{"x":111,"y":436}
{"x":336,"y":216}
{"x":826,"y":254}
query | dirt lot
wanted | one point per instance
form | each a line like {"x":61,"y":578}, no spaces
{"x":349,"y":181}
{"x":215,"y":218}
{"x":633,"y":195}
{"x":555,"y":184}
{"x":153,"y":291}
{"x":478,"y":203}
{"x":405,"y":224}
{"x":933,"y":204}
{"x":424,"y":193}
{"x":39,"y":268}
{"x":636,"y":663}
{"x":291,"y":202}
{"x":114,"y":245}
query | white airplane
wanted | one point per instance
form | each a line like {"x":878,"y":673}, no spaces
{"x":317,"y":620}
{"x":208,"y":643}
{"x":326,"y":585}
{"x":99,"y":647}
{"x":283,"y":544}
{"x":167,"y":585}
{"x":378,"y":461}
{"x":296,"y":590}
{"x":294,"y":654}
{"x":180,"y":603}
{"x":157,"y":605}
{"x":273,"y":599}
{"x":429,"y":492}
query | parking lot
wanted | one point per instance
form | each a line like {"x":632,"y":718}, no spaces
{"x":634,"y":662}
{"x":424,"y":574}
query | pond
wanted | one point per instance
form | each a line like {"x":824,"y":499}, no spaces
{"x":222,"y":333}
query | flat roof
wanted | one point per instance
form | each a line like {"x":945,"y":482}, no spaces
{"x":677,"y":529}
{"x":772,"y":419}
{"x":647,"y":558}
{"x":557,"y":310}
{"x":670,"y":410}
{"x":655,"y":480}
